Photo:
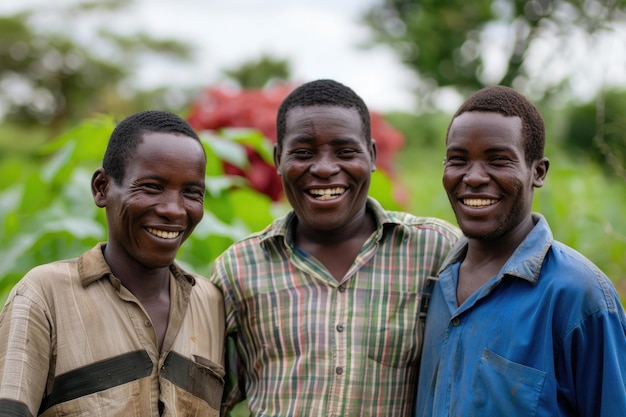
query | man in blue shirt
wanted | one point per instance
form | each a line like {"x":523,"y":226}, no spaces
{"x":518,"y":323}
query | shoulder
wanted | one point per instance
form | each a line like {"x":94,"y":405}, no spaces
{"x":50,"y":276}
{"x":205,"y":288}
{"x":254,"y":246}
{"x":426,"y":225}
{"x":580,"y":281}
{"x":44,"y":284}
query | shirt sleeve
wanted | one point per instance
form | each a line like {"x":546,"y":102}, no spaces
{"x":25,"y":351}
{"x":597,"y":352}
{"x":234,"y":382}
{"x":234,"y":389}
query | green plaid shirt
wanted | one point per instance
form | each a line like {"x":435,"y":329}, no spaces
{"x":307,"y":345}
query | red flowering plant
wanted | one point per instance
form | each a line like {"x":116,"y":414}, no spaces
{"x":236,"y":115}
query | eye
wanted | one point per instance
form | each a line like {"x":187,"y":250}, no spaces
{"x":194,"y":192}
{"x":347,"y":153}
{"x":454,"y":161}
{"x":152,"y":187}
{"x":499,"y":160}
{"x":301,"y":153}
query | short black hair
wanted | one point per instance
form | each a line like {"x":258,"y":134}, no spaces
{"x":322,"y":92}
{"x":510,"y":103}
{"x":128,"y":134}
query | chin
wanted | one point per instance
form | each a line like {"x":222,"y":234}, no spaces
{"x":158,"y":263}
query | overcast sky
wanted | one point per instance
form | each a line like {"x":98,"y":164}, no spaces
{"x":320,"y":39}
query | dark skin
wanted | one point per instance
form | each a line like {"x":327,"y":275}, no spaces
{"x":490,"y":186}
{"x":149,"y":215}
{"x":325,"y":249}
{"x":325,"y":163}
{"x":150,"y":287}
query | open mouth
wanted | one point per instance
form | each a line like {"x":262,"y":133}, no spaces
{"x":163,"y":234}
{"x":327,"y":193}
{"x":478,"y":202}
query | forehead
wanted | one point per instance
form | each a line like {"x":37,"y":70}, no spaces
{"x":313,"y":119}
{"x":156,"y":149}
{"x":485,"y":128}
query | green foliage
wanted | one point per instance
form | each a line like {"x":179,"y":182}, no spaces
{"x":51,"y":76}
{"x":447,"y":42}
{"x":47,"y":212}
{"x":598,"y":130}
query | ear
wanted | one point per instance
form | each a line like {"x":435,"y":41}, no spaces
{"x":540,"y":170}
{"x":277,"y":158}
{"x":373,"y":154}
{"x":99,"y":186}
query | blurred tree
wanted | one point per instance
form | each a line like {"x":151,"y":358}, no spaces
{"x":450,"y":43}
{"x":598,"y":130}
{"x":257,"y":73}
{"x":49,"y":75}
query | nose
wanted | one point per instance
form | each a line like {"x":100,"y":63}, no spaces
{"x":324,"y":165}
{"x":476,"y":175}
{"x":171,"y":205}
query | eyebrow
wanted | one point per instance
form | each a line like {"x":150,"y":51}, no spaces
{"x":164,"y":179}
{"x":305,"y":139}
{"x":492,"y":149}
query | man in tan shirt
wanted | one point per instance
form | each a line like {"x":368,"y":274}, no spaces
{"x":122,"y":330}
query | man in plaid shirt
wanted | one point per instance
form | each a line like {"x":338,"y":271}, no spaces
{"x":322,"y":305}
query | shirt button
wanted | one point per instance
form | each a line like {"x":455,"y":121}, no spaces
{"x":339,"y":370}
{"x":147,"y":323}
{"x":342,"y":288}
{"x":340,"y":328}
{"x":456,"y":321}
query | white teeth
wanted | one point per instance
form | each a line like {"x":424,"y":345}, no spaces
{"x":479,"y":202}
{"x":327,"y":193}
{"x":162,"y":233}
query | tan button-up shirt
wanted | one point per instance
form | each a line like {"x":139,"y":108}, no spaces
{"x":75,"y":342}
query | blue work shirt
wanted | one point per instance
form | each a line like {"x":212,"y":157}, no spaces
{"x":545,"y":337}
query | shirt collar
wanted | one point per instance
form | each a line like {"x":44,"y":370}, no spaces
{"x":526,"y":260}
{"x":92,"y":266}
{"x":282,"y":227}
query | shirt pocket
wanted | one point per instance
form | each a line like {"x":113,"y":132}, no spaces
{"x":120,"y":401}
{"x":280,"y":324}
{"x":393,"y":334}
{"x":503,"y":387}
{"x":199,"y":381}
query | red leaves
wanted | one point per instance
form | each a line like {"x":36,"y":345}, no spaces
{"x":219,"y":107}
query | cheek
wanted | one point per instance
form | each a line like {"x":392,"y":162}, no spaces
{"x":292,"y":169}
{"x":195,"y":211}
{"x":449,"y":179}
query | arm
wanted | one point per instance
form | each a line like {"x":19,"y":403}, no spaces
{"x":234,"y":388}
{"x":597,"y":349}
{"x":234,"y":385}
{"x":25,"y":350}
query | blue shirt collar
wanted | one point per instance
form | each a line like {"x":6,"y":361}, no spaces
{"x":527,"y":259}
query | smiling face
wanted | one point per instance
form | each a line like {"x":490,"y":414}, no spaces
{"x":325,"y":163}
{"x":158,"y":203}
{"x":488,"y":182}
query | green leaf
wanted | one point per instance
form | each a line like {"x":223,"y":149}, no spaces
{"x":225,"y":149}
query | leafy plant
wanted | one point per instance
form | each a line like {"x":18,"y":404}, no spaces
{"x":256,"y":108}
{"x":47,"y":212}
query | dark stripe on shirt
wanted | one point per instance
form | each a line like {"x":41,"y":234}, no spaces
{"x":97,"y":377}
{"x":199,"y":380}
{"x":12,"y":408}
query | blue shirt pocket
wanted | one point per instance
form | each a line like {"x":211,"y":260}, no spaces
{"x":506,"y":388}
